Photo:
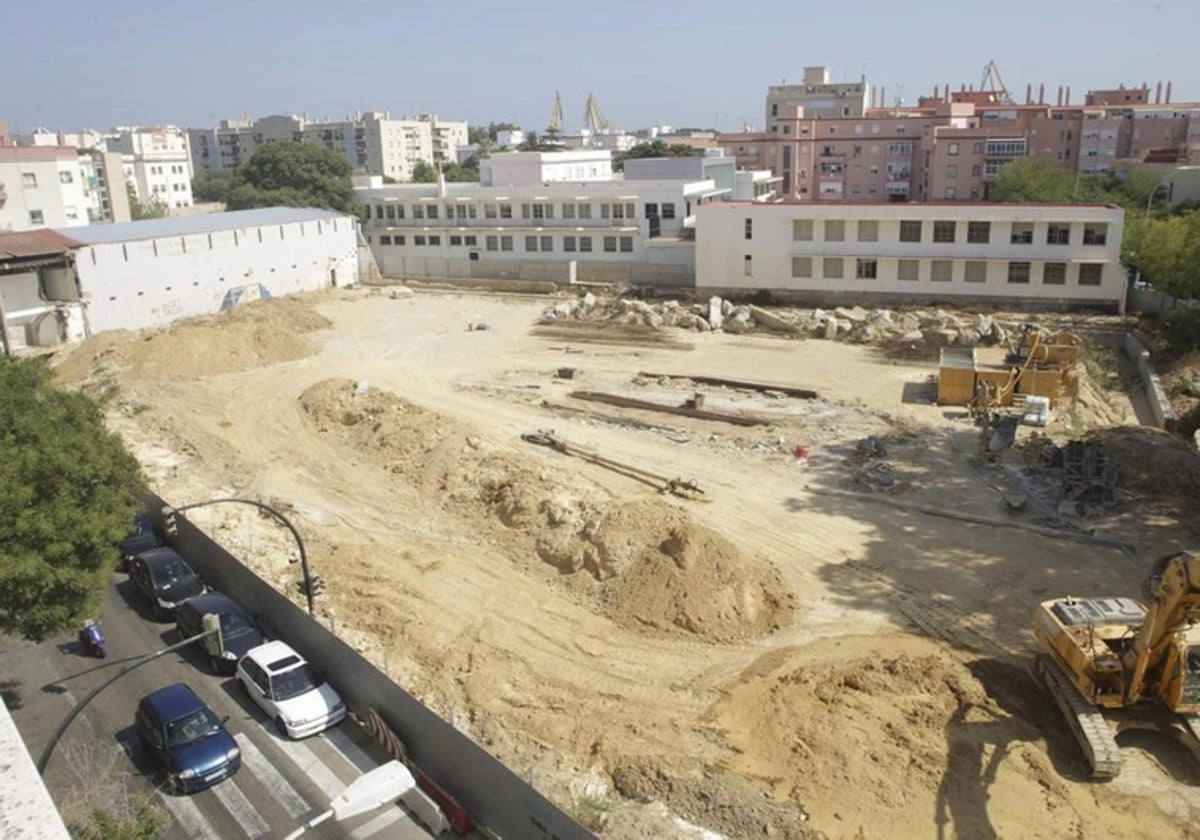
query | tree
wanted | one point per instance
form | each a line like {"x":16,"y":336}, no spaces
{"x":287,"y":174}
{"x":212,"y":186}
{"x":533,"y":143}
{"x":140,"y":210}
{"x":1167,"y":253}
{"x":652,"y":148}
{"x":1033,"y":180}
{"x":68,"y":491}
{"x":424,"y":173}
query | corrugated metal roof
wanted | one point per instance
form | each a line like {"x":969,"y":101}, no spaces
{"x":204,"y":223}
{"x":35,"y":243}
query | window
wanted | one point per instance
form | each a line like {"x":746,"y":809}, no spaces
{"x":835,"y":230}
{"x":36,"y":217}
{"x":585,"y":211}
{"x":952,"y":171}
{"x":71,"y":213}
{"x":1022,"y":233}
{"x":1054,"y":274}
{"x":1058,"y":234}
{"x":908,"y":270}
{"x":506,"y":211}
{"x":397,"y":240}
{"x":470,"y":241}
{"x":651,"y":210}
{"x":65,"y":178}
{"x":802,"y":266}
{"x":418,"y":211}
{"x":975,"y":271}
{"x":910,"y":231}
{"x":943,"y":232}
{"x":977,"y":147}
{"x":866,"y":269}
{"x":435,"y":240}
{"x":941,"y":271}
{"x":418,"y":240}
{"x":385,"y":240}
{"x":951,"y":148}
{"x":585,"y":244}
{"x":832,"y":268}
{"x":489,"y":211}
{"x":979,"y":233}
{"x":547,"y":243}
{"x":668,"y":210}
{"x":379,"y":211}
{"x":455,"y":240}
{"x":899,"y":149}
{"x":531,"y":243}
{"x":1090,"y":274}
{"x":569,"y":241}
{"x":626,"y":244}
{"x":802,"y":230}
{"x":506,"y":243}
{"x":491,"y":243}
{"x":748,"y":265}
{"x":1018,"y":272}
{"x":1095,"y":234}
{"x":431,"y":211}
{"x":610,"y":244}
{"x":868,"y":230}
{"x":749,"y":229}
{"x":28,"y":179}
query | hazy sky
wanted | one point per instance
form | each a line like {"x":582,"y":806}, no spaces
{"x":67,"y":64}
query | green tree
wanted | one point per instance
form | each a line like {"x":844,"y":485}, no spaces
{"x":652,"y":148}
{"x":212,"y":186}
{"x":424,"y":173}
{"x":287,"y":174}
{"x":533,"y":143}
{"x":1167,"y":252}
{"x":1033,"y":180}
{"x":68,"y":491}
{"x":140,"y":210}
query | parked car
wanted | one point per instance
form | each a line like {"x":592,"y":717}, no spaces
{"x":238,"y":633}
{"x":165,"y":580}
{"x":287,"y":688}
{"x":142,"y":537}
{"x":186,"y":738}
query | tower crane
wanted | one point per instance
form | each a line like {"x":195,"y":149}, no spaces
{"x":991,"y":81}
{"x":592,"y":118}
{"x":554,"y":128}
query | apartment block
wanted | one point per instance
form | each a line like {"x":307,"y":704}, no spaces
{"x":157,"y":162}
{"x":41,"y":188}
{"x":830,"y":253}
{"x":818,"y":97}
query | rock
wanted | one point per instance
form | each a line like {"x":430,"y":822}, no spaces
{"x":819,"y":315}
{"x":562,"y":309}
{"x":739,"y":323}
{"x":867,"y":334}
{"x":399,"y":291}
{"x":982,"y":324}
{"x":716,"y":316}
{"x":831,"y":328}
{"x":913,"y":337}
{"x":879,"y":317}
{"x":587,"y":304}
{"x":944,"y":337}
{"x":857,"y":315}
{"x":967,"y":337}
{"x":770,"y":320}
{"x":908,"y":322}
{"x":726,"y":308}
{"x":670,"y":306}
{"x":695,"y":322}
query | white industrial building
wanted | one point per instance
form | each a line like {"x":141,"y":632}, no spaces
{"x":558,"y":216}
{"x":1048,"y":254}
{"x":65,"y":286}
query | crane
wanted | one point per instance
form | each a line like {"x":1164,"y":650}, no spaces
{"x":592,"y":118}
{"x":991,"y":81}
{"x":554,"y":128}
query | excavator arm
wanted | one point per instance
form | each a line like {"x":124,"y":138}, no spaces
{"x":1174,"y":605}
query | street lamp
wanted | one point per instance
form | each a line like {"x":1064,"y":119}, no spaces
{"x":169,"y":511}
{"x":386,"y":783}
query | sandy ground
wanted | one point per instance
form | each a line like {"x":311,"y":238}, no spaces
{"x":787,"y":655}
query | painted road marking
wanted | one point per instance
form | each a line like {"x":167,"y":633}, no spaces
{"x":309,"y":764}
{"x":352,"y":751}
{"x":272,"y":779}
{"x":384,"y":821}
{"x":239,"y":807}
{"x":188,"y":815}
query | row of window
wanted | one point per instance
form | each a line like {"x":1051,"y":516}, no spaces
{"x":29,"y":179}
{"x":943,"y":271}
{"x":175,"y":170}
{"x":533,"y":244}
{"x":946,"y":232}
{"x":531,"y":210}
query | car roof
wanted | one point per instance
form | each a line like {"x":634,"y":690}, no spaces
{"x":215,"y":602}
{"x":173,"y":700}
{"x":268,"y":654}
{"x":159,"y":556}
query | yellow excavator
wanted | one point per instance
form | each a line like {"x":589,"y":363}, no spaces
{"x":1114,"y":664}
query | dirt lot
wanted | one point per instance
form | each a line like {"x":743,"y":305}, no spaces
{"x":801,"y":651}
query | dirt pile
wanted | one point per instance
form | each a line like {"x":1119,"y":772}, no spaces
{"x":1151,"y":462}
{"x":249,"y":336}
{"x":645,"y":564}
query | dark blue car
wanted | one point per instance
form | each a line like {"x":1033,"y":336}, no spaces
{"x":165,"y":580}
{"x":187,"y":739}
{"x":142,"y":537}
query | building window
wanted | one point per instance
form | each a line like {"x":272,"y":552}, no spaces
{"x":952,"y":171}
{"x":72,"y":214}
{"x":941,"y":271}
{"x":391,"y":212}
{"x":568,"y":241}
{"x":748,"y":265}
{"x":399,"y":211}
{"x":1090,"y":274}
{"x":506,"y":243}
{"x":585,"y":244}
{"x":1054,"y":274}
{"x":943,"y":232}
{"x":668,"y":210}
{"x":65,"y":178}
{"x":975,"y":271}
{"x":1018,"y":272}
{"x":802,"y":266}
{"x":1058,"y":234}
{"x":489,"y":211}
{"x":378,"y":211}
{"x":866,"y":269}
{"x":627,"y":244}
{"x":28,"y":179}
{"x":749,"y":229}
{"x":979,"y":233}
{"x":585,"y":211}
{"x":455,"y":240}
{"x":418,"y":211}
{"x":397,"y":240}
{"x":385,"y":240}
{"x":651,"y":210}
{"x":435,"y":240}
{"x":868,"y":230}
{"x":491,"y":243}
{"x":568,"y":210}
{"x":431,"y":211}
{"x":547,"y":243}
{"x":908,"y":270}
{"x":610,"y":244}
{"x":531,"y":243}
{"x":831,"y":268}
{"x":505,"y":211}
{"x":418,"y":240}
{"x":470,"y":241}
{"x":835,"y":231}
{"x":951,"y":148}
{"x":1022,"y":233}
{"x":976,"y":171}
{"x":1095,"y":234}
{"x":802,"y":230}
{"x":910,"y":230}
{"x":36,"y":217}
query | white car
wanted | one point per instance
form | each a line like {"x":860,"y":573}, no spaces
{"x":288,"y":689}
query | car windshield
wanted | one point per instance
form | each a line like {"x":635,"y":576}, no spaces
{"x":172,"y":572}
{"x":233,"y":624}
{"x":293,"y":683}
{"x":199,"y":724}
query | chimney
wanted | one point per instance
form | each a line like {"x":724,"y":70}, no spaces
{"x":1059,"y":102}
{"x":1029,"y":94}
{"x":1067,"y":96}
{"x":1168,"y":98}
{"x":883,"y":96}
{"x":946,"y":95}
{"x":1042,"y":93}
{"x":1158,"y":94}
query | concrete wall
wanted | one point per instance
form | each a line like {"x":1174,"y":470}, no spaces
{"x":558,"y":271}
{"x":154,"y":282}
{"x":493,"y":794}
{"x":1160,"y":404}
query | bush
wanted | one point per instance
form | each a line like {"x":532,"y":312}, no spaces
{"x":1181,"y":329}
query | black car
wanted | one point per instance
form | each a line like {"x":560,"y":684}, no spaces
{"x":165,"y":580}
{"x":142,"y":537}
{"x":238,"y":633}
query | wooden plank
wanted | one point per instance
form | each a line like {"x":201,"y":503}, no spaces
{"x":699,"y":414}
{"x":801,"y":393}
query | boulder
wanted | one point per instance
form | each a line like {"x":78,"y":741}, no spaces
{"x":726,"y":308}
{"x":913,"y":337}
{"x":831,"y":328}
{"x":943,"y":337}
{"x":739,"y":322}
{"x":967,"y":337}
{"x":857,"y":315}
{"x":771,"y":321}
{"x":907,"y":322}
{"x":879,"y":317}
{"x":587,"y":303}
{"x":695,"y":322}
{"x":716,"y":315}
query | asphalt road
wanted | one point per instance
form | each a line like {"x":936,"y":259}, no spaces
{"x":281,"y":784}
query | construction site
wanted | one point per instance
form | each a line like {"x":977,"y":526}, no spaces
{"x":760,"y":581}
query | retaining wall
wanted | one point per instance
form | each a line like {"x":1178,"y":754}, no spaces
{"x":1135,"y":349}
{"x":496,"y":797}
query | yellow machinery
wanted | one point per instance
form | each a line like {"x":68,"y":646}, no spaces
{"x":1139,"y":663}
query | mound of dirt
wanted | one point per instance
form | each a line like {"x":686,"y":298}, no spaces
{"x":646,"y":564}
{"x":1151,"y":462}
{"x":251,"y":335}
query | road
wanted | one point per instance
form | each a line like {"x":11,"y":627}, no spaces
{"x":281,"y":784}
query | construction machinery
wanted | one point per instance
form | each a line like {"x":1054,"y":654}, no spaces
{"x":1115,"y":663}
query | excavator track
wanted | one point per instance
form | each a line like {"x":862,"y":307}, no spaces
{"x":1091,"y":730}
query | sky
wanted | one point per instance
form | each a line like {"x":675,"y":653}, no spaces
{"x":68,"y":65}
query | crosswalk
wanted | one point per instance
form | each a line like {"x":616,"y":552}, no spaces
{"x":267,"y":799}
